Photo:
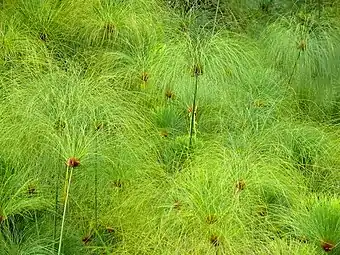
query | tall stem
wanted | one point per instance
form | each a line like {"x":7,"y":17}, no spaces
{"x":96,"y":186}
{"x":65,"y":207}
{"x":319,"y":9}
{"x":215,"y":19}
{"x":296,"y":61}
{"x":193,"y":112}
{"x":57,"y":177}
{"x":56,"y":205}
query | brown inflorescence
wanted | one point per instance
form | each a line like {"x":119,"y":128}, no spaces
{"x":211,"y":219}
{"x":164,"y":133}
{"x":214,"y":240}
{"x":86,"y":239}
{"x":145,"y":76}
{"x":302,"y":45}
{"x":73,"y":162}
{"x":110,"y":229}
{"x":169,"y":94}
{"x":259,"y":103}
{"x":43,"y":36}
{"x":327,"y":246}
{"x":197,"y":70}
{"x":262,"y":211}
{"x":31,"y":189}
{"x":240,"y":185}
{"x":110,"y":27}
{"x":177,"y":205}
{"x":118,"y":183}
{"x":190,"y":109}
{"x":59,"y":125}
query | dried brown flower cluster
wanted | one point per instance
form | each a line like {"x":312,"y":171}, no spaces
{"x":327,"y":246}
{"x":240,"y":185}
{"x":302,"y":45}
{"x":73,"y":162}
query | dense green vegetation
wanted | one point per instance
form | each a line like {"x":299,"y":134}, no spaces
{"x":169,"y":127}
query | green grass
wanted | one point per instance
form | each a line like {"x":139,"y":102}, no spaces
{"x":113,"y":84}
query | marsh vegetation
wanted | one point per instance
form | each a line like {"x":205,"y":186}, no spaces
{"x":169,"y":127}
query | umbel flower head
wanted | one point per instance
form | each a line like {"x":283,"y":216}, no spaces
{"x":302,"y":45}
{"x":327,"y":246}
{"x":145,"y":77}
{"x":240,"y":185}
{"x":197,"y":70}
{"x":73,"y":162}
{"x":169,"y":94}
{"x":2,"y":218}
{"x":214,"y":240}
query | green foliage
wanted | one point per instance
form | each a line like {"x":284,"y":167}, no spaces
{"x":169,"y":127}
{"x":320,"y":224}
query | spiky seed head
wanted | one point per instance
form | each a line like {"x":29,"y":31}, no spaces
{"x":229,"y":72}
{"x":183,"y":27}
{"x":110,"y":229}
{"x":2,"y":218}
{"x":190,"y":109}
{"x":73,"y":162}
{"x":145,"y":77}
{"x":164,"y":133}
{"x":197,"y":70}
{"x":110,"y":27}
{"x":118,"y":183}
{"x":259,"y":103}
{"x":327,"y":246}
{"x":100,"y":126}
{"x":169,"y":94}
{"x":302,"y":239}
{"x":31,"y":189}
{"x":214,"y":240}
{"x":262,"y":211}
{"x":177,"y":204}
{"x":59,"y":125}
{"x":86,"y":239}
{"x":240,"y":185}
{"x":211,"y":219}
{"x":302,"y":45}
{"x":43,"y":36}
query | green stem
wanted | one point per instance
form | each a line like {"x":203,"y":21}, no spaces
{"x":193,"y":112}
{"x":96,"y":178}
{"x":319,"y":9}
{"x":295,"y":64}
{"x":56,"y":205}
{"x":215,"y":19}
{"x":64,"y":212}
{"x":36,"y":224}
{"x":96,"y":189}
